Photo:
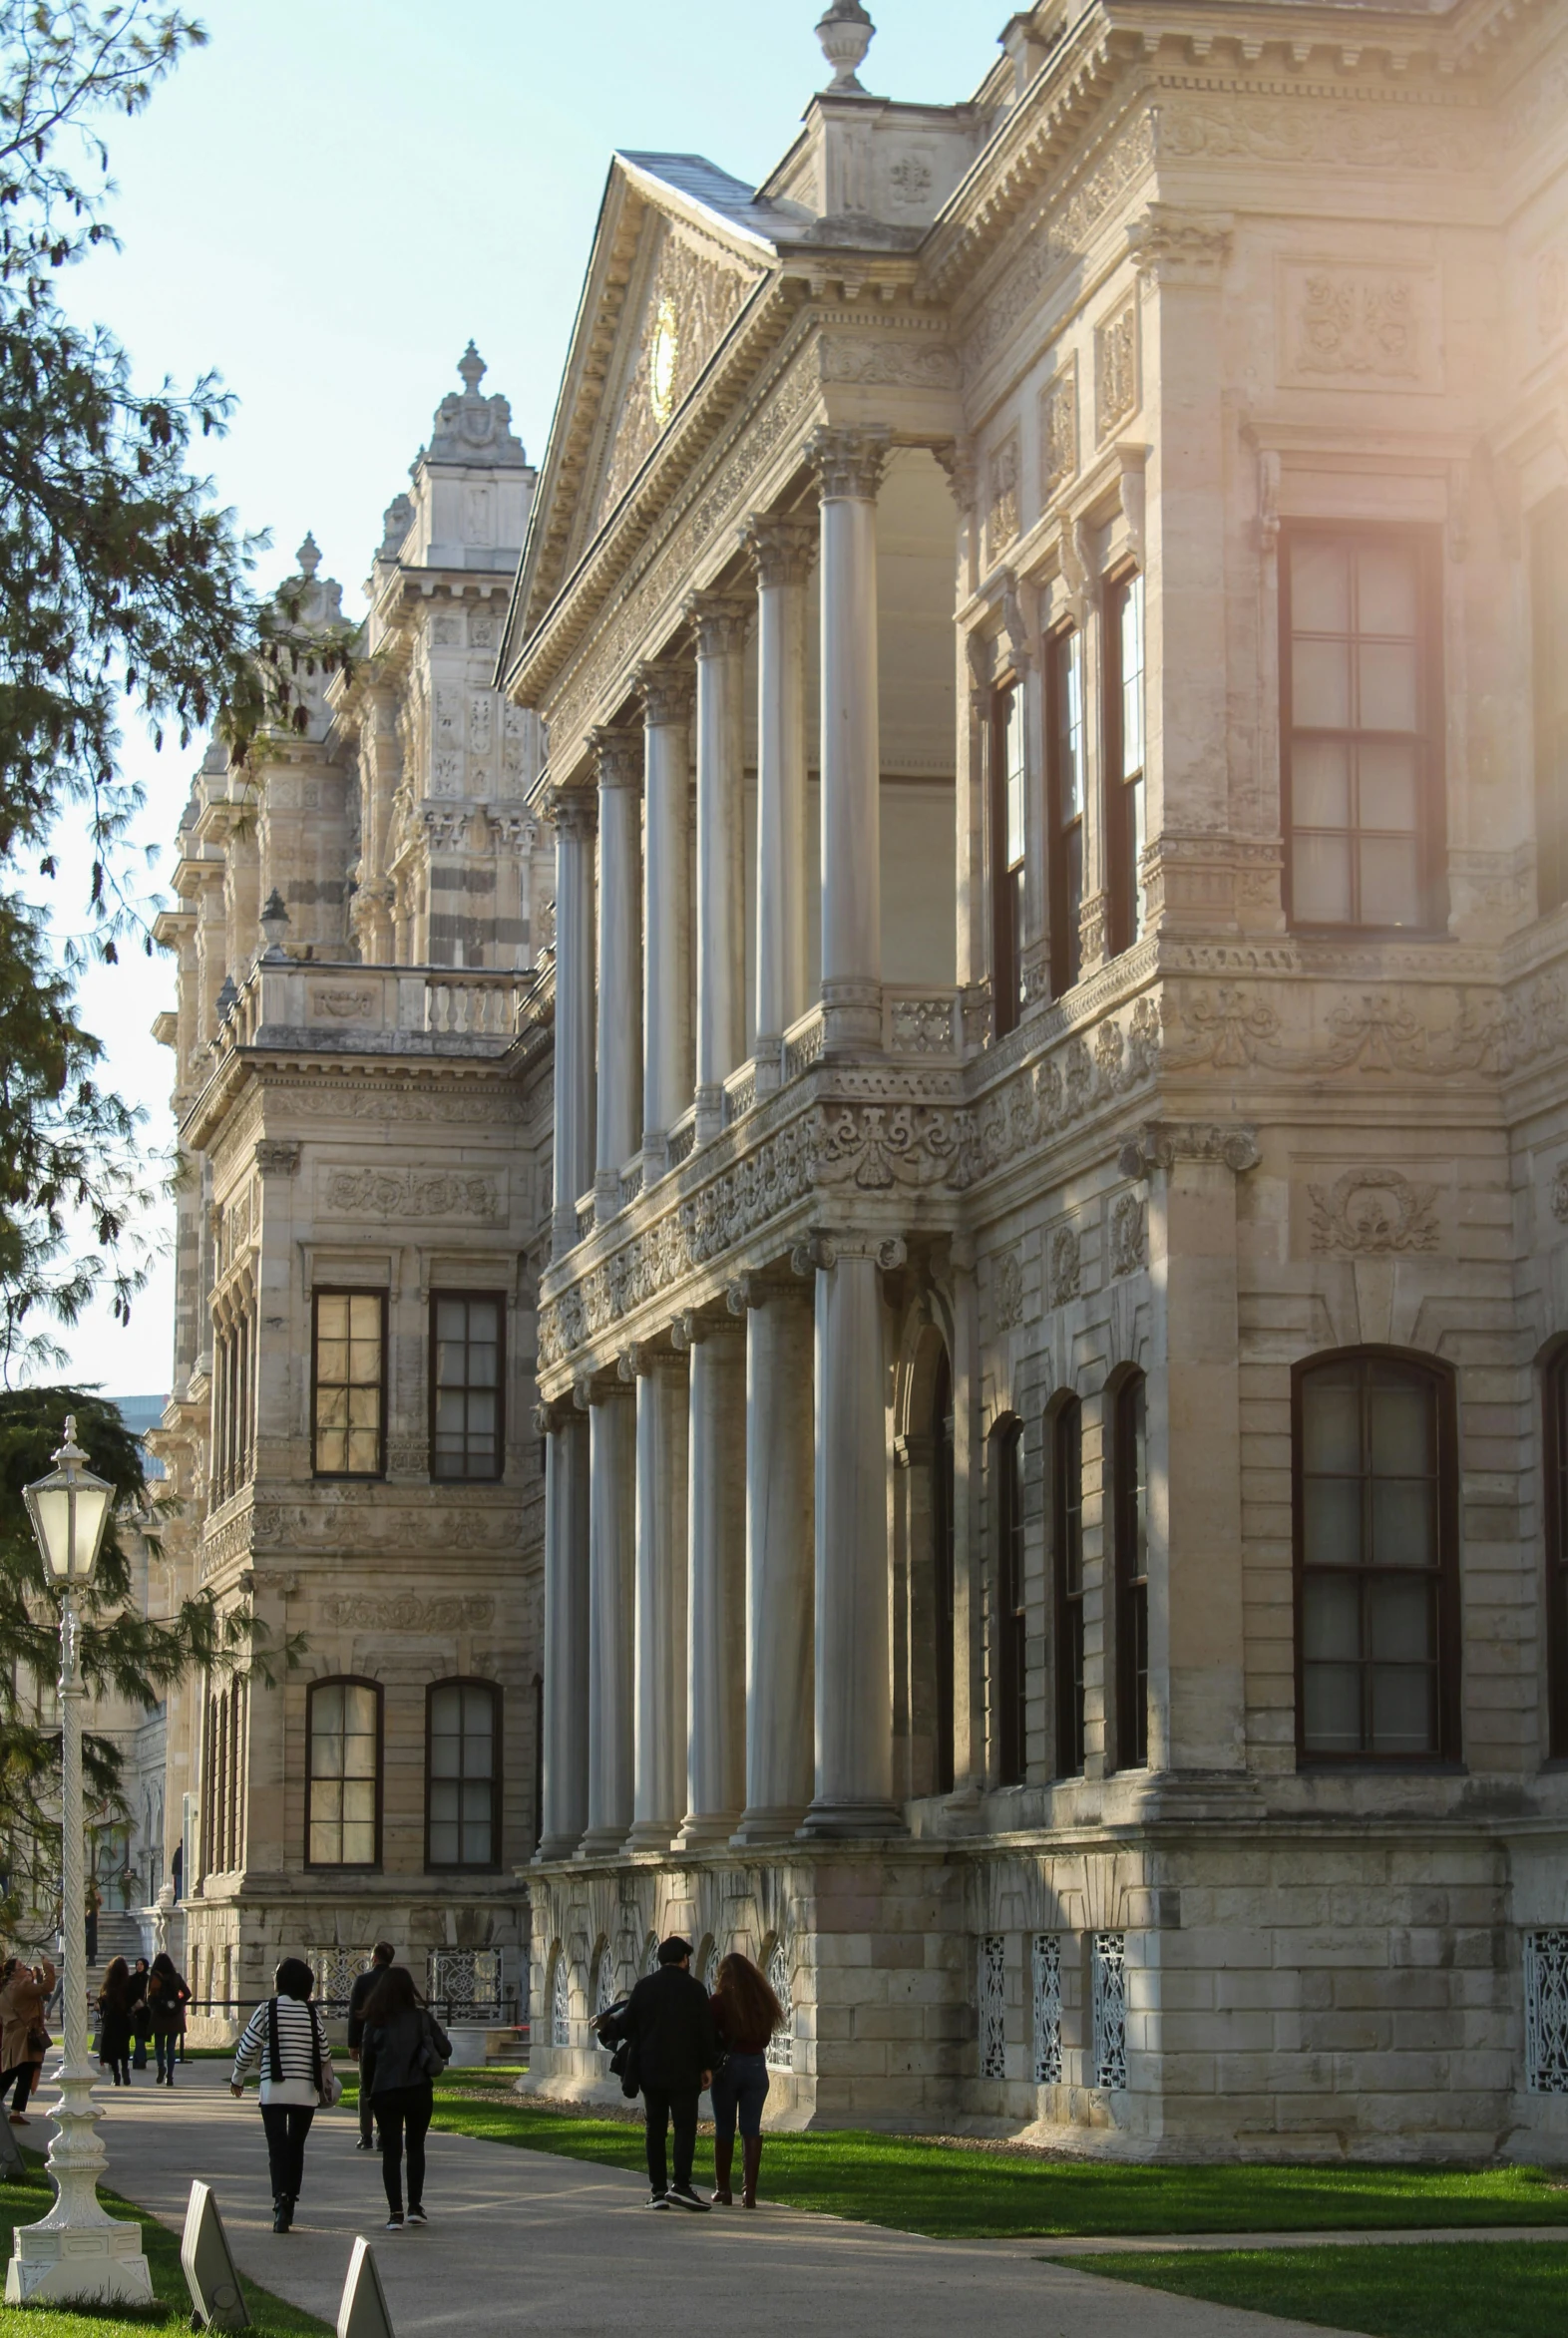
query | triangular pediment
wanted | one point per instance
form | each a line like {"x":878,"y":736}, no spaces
{"x":679,"y":249}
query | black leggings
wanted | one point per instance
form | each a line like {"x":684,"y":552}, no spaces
{"x":119,"y":2065}
{"x":397,"y":2106}
{"x":287,"y":2124}
{"x":24,"y":2075}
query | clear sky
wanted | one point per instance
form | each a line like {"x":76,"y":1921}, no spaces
{"x":329,"y":200}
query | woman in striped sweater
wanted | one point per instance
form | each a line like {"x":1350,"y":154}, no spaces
{"x":284,"y":2041}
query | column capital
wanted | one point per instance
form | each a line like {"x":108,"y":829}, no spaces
{"x":782,"y":547}
{"x":720,"y":622}
{"x":1165,"y":1143}
{"x":666,"y":689}
{"x":572,"y":811}
{"x":618,"y":757}
{"x":849,"y":462}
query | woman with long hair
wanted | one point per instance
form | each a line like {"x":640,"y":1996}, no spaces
{"x":401,"y":2051}
{"x":747,"y":2017}
{"x":25,"y":1991}
{"x":167,"y":1999}
{"x":115,"y":2016}
{"x":284,"y":2040}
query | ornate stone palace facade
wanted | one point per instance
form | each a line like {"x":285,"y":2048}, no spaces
{"x":1051,"y":1357}
{"x":364,"y":1098}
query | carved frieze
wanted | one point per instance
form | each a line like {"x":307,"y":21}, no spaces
{"x":1357,"y":327}
{"x":386,"y":1195}
{"x":471,"y":1611}
{"x":1368,"y":1212}
{"x":1305,"y":130}
{"x":344,"y":1524}
{"x":881,"y":361}
{"x":344,"y":1002}
{"x":1232,"y":1028}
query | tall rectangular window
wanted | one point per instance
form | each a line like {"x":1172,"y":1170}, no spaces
{"x":1377,"y":1580}
{"x":1549,"y":600}
{"x":343,"y":1783}
{"x":1064,"y":781}
{"x":1068,"y":1567}
{"x":463,"y":1752}
{"x":1362,"y":726}
{"x":465,"y":1386}
{"x":1007,"y":1454}
{"x":1555,"y":1391}
{"x":350,"y":1383}
{"x":1124,"y":798}
{"x":1131,"y":1496}
{"x":1007,"y":854}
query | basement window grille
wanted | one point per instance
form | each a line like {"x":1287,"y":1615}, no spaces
{"x":1047,"y":1968}
{"x":560,"y":2003}
{"x":993,"y":2008}
{"x":1546,"y":2012}
{"x":464,"y":1984}
{"x":781,"y":2045}
{"x":1110,"y":2009}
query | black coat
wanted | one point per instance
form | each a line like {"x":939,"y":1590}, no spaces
{"x":358,"y":1999}
{"x":392,"y":2054}
{"x":670,"y":2022}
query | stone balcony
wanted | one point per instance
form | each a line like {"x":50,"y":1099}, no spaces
{"x":343,"y":1008}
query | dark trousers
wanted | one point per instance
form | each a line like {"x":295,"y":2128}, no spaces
{"x":740,"y":2089}
{"x":366,"y":2111}
{"x":164,"y":2044}
{"x":660,"y":2105}
{"x":120,"y":2067}
{"x":396,"y":2109}
{"x":139,"y":2058}
{"x":288,"y":2125}
{"x":24,"y":2075}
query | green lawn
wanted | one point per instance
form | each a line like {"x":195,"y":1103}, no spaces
{"x":931,"y":2187}
{"x":1489,"y":2290}
{"x":24,"y":2203}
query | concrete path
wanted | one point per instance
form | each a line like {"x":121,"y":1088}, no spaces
{"x":523,"y":2241}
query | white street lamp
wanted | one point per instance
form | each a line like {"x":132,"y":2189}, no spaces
{"x":77,"y":2251}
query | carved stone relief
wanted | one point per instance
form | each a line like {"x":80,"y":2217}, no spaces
{"x":344,"y":1004}
{"x":387,"y":1194}
{"x":1368,"y":1212}
{"x":1354,"y":328}
{"x":1560,"y":1192}
{"x":459,"y":1611}
{"x":1008,"y":1291}
{"x":1066,"y":1266}
{"x":874,"y":357}
{"x":692,"y":304}
{"x":1116,"y":367}
{"x":1060,"y":430}
{"x":1126,"y":1235}
{"x":1001,"y":508}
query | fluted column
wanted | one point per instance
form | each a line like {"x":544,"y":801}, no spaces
{"x":619,"y":1092}
{"x":853,"y":1680}
{"x":660,"y":1795}
{"x":721,"y":620}
{"x":780,"y":1597}
{"x":611,"y":1495}
{"x":565,"y":1790}
{"x":716,"y":1615}
{"x":847,"y":464}
{"x":667,"y":905}
{"x":574,"y":817}
{"x":782,"y":550}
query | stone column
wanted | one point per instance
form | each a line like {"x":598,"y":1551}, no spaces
{"x":565,"y":1797}
{"x":666,"y":905}
{"x":847,"y":464}
{"x":660,"y":1795}
{"x":779,"y":1562}
{"x":611,"y":1562}
{"x":573,"y":816}
{"x":782,"y":551}
{"x":716,"y":1618}
{"x":720,"y":622}
{"x":619,"y":758}
{"x":854,"y":1679}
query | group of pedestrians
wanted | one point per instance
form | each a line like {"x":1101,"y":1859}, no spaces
{"x":672,"y":2042}
{"x":136,"y":2004}
{"x":401,"y":2049}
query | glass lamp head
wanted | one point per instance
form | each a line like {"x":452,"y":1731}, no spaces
{"x":70,"y":1513}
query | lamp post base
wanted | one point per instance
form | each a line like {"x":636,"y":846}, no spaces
{"x":101,"y":2265}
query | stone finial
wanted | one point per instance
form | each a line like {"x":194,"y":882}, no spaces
{"x":310,"y":558}
{"x":469,"y":427}
{"x":396,"y":520}
{"x":473,"y":369}
{"x":846,"y":33}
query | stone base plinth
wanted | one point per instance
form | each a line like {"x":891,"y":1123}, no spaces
{"x":99,"y":2265}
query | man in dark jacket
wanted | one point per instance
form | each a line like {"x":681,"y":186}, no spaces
{"x":380,"y":1957}
{"x":670,"y":2025}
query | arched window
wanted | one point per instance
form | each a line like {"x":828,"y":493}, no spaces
{"x":1006,"y":1466}
{"x":1067,"y":1488}
{"x":560,"y":1999}
{"x":1130,"y":1526}
{"x":1377,"y":1572}
{"x":780,"y":2049}
{"x":463,"y":1775}
{"x":1554,"y":1393}
{"x":942,"y":1514}
{"x":343,"y":1780}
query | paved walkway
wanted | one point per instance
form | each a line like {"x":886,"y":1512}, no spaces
{"x":523,"y":2241}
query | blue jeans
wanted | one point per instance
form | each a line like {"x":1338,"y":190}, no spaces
{"x":741,"y":2087}
{"x":166,"y":2043}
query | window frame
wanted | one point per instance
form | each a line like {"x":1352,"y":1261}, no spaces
{"x":1132,"y":1589}
{"x":1446,"y":1574}
{"x":1066,"y":940}
{"x":1071,"y":1702}
{"x":1554,"y":1515}
{"x":347,"y":1291}
{"x":1007,"y":879}
{"x":1004,"y":1449}
{"x":490,"y":1298}
{"x":345,"y":1681}
{"x":1123,"y":888}
{"x":1431,"y":787}
{"x":1548,"y":529}
{"x":492,"y":1865}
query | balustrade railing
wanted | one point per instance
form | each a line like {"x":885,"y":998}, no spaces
{"x":683,"y":1136}
{"x":803,"y":1043}
{"x":923,"y":1022}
